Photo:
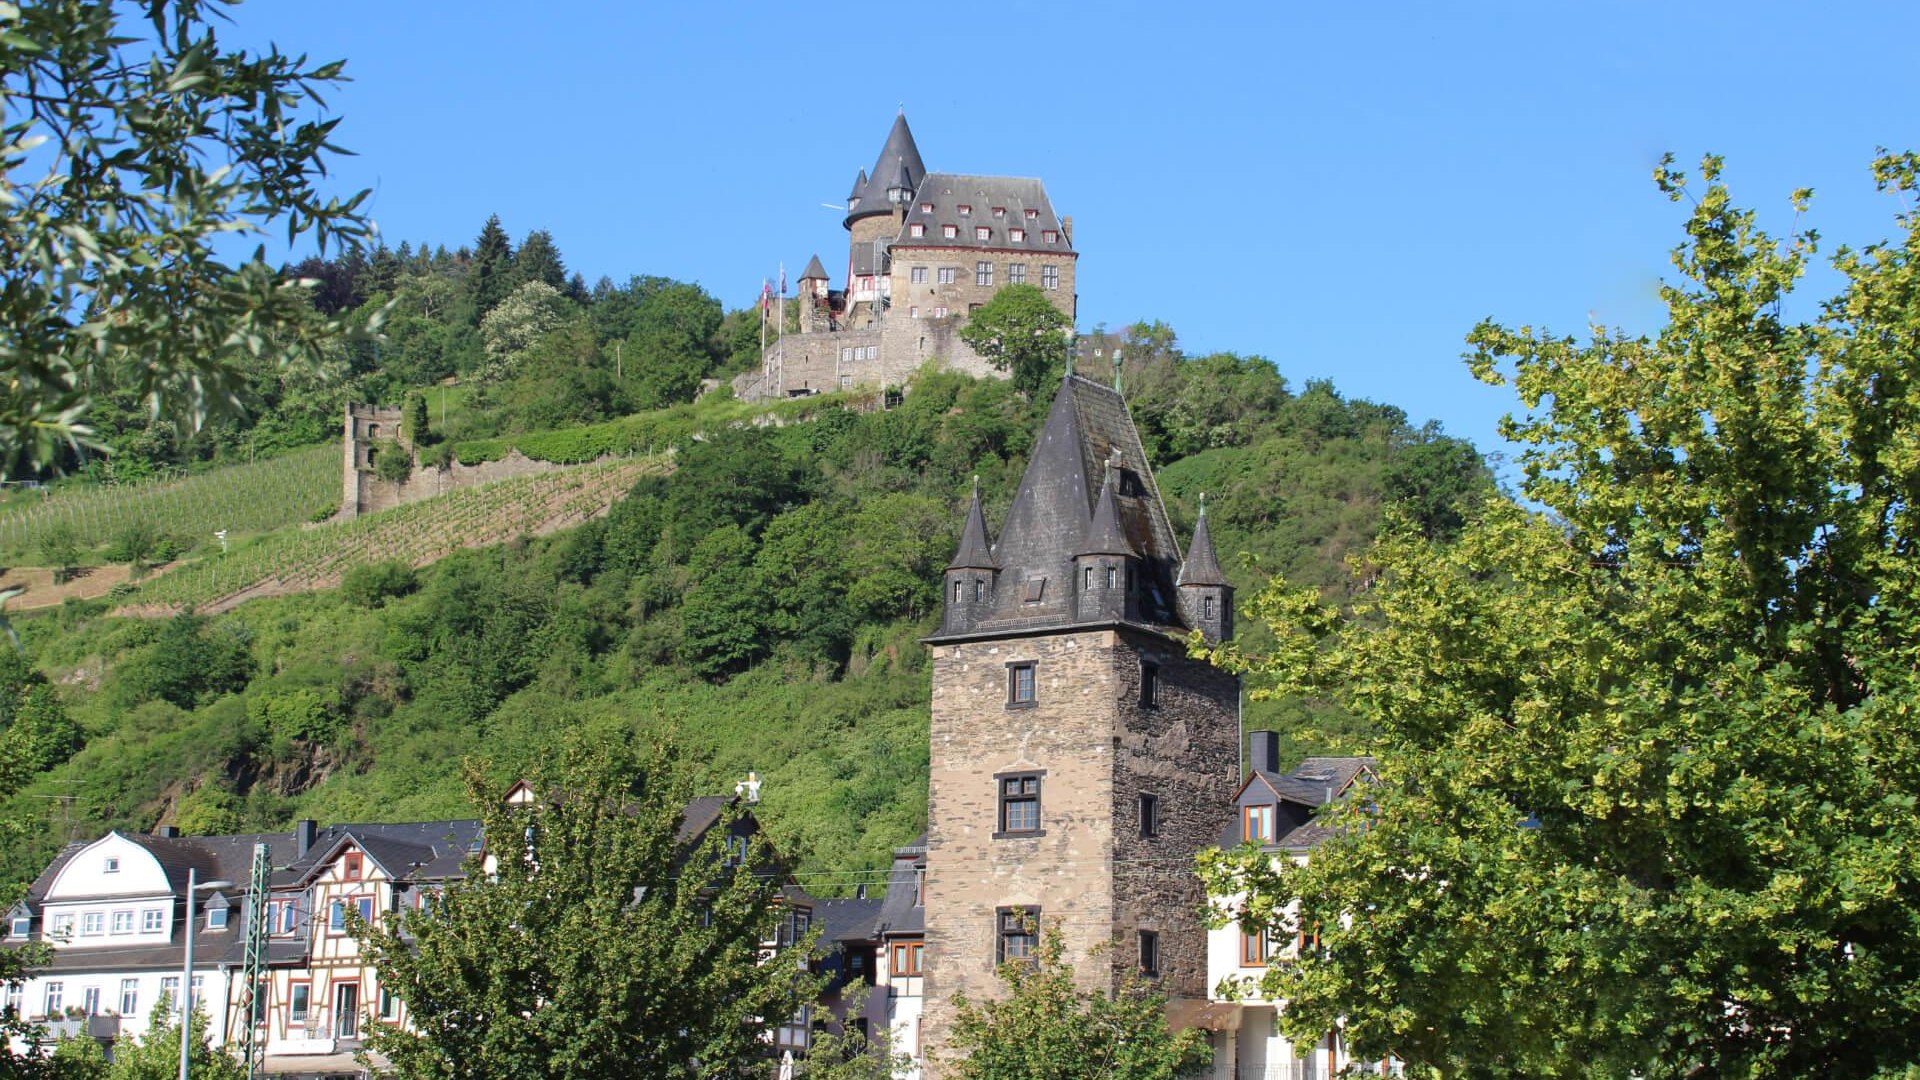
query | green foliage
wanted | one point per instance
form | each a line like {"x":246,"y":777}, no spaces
{"x":643,"y":949}
{"x":1020,"y":332}
{"x":511,"y":327}
{"x":391,"y":461}
{"x":413,"y":419}
{"x":1647,"y":758}
{"x":60,"y":549}
{"x":490,"y":278}
{"x":157,"y":1056}
{"x":1046,"y":1028}
{"x":373,"y":584}
{"x":139,"y":544}
{"x":185,"y":663}
{"x":36,"y":733}
{"x":155,"y":146}
{"x":725,"y":609}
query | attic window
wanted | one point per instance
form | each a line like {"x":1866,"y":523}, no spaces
{"x":1036,"y":587}
{"x":916,"y":229}
{"x":981,"y":232}
{"x":22,"y":925}
{"x":111,"y":865}
{"x":351,"y":867}
{"x":950,"y":231}
{"x":926,"y":208}
{"x":965,"y":210}
{"x":999,"y":211}
{"x":217,"y":918}
{"x":1032,"y":213}
{"x":1050,"y":236}
{"x":1018,"y":236}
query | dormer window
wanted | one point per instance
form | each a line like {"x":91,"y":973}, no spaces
{"x":1050,"y":236}
{"x":982,"y":232}
{"x":21,"y":924}
{"x":926,"y":208}
{"x":111,"y":865}
{"x":1032,"y":213}
{"x":916,"y":229}
{"x":1257,"y":824}
{"x":1018,"y":236}
{"x":965,"y":210}
{"x":999,"y":211}
{"x":217,"y":918}
{"x":950,"y":231}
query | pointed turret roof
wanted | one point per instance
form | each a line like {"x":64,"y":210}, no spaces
{"x":1104,"y":534}
{"x":1203,"y":564}
{"x":975,"y":553}
{"x":814,"y":271}
{"x":899,"y":162}
{"x":859,"y":189}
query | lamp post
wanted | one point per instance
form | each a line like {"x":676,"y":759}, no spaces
{"x":186,"y":965}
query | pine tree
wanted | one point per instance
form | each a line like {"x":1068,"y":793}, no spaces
{"x":539,"y":260}
{"x":490,"y":278}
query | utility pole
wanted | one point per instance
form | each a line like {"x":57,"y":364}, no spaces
{"x":253,"y":1047}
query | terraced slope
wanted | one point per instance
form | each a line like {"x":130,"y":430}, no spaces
{"x":418,"y":533}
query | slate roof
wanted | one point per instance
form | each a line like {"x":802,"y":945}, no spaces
{"x":1087,"y":426}
{"x":1312,"y":784}
{"x":898,"y":913}
{"x":814,"y":271}
{"x":409,"y":851}
{"x":939,"y":201}
{"x":897,"y":155}
{"x":975,"y":552}
{"x":855,"y":919}
{"x":1104,"y":533}
{"x":1203,"y":563}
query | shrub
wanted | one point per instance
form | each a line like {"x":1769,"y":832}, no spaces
{"x":391,"y":462}
{"x":371,"y":585}
{"x":60,"y":547}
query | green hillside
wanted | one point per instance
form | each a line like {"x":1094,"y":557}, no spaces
{"x":761,"y":603}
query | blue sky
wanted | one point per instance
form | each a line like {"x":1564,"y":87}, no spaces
{"x":1342,"y":188}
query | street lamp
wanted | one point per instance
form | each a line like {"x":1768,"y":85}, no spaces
{"x":186,"y":965}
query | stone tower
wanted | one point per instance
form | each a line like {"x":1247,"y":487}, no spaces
{"x":875,"y":208}
{"x":1079,"y":759}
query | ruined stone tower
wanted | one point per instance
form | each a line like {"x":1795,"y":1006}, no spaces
{"x":1079,"y":759}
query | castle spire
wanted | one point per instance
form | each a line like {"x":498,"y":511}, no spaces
{"x":898,"y":165}
{"x":1203,"y":564}
{"x":975,"y":552}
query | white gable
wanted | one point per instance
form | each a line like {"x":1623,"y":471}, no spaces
{"x":110,"y":866}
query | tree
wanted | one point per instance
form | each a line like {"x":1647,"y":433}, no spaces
{"x":1020,"y":332}
{"x":157,"y":1056}
{"x":512,"y":327}
{"x":1647,"y":756}
{"x":131,"y":151}
{"x":414,"y":419}
{"x":60,"y":547}
{"x":640,"y":947}
{"x":1047,"y":1028}
{"x":724,"y":614}
{"x":539,"y":260}
{"x":491,"y":278}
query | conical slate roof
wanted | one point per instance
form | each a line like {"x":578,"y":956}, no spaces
{"x":1104,"y":534}
{"x":1203,"y":564}
{"x":859,"y":189}
{"x":975,"y":553}
{"x":814,"y":271}
{"x":899,"y":161}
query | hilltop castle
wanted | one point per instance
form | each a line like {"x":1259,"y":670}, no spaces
{"x":924,"y":250}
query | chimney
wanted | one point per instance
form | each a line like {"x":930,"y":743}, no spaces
{"x":167,"y":832}
{"x":1066,"y":228}
{"x":1264,"y":751}
{"x":304,"y":832}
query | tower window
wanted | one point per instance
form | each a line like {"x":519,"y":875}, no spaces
{"x":979,"y":590}
{"x":1088,"y":574}
{"x":1206,"y":607}
{"x":1019,"y":804}
{"x":1149,"y":816}
{"x":1020,"y":685}
{"x":1019,"y":936}
{"x":1113,"y":576}
{"x":1150,"y":954}
{"x":1149,"y":686}
{"x":956,"y":592}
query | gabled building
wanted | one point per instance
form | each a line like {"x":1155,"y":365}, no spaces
{"x":1080,"y":759}
{"x":924,"y":250}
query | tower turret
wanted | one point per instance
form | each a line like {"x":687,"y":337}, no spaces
{"x":1206,"y":599}
{"x":971,"y":575}
{"x":1106,"y":563}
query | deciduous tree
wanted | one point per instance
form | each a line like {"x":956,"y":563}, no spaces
{"x":1649,"y":762}
{"x":130,"y":148}
{"x":1020,"y":332}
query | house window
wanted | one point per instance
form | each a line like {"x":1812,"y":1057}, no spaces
{"x":1255,"y":949}
{"x":846,"y":382}
{"x":56,"y":1001}
{"x":217,"y":918}
{"x":1257,"y":824}
{"x":90,"y":1001}
{"x":940,"y":312}
{"x":1016,"y":273}
{"x":1018,"y":236}
{"x":916,"y":229}
{"x":337,"y":917}
{"x":93,"y":924}
{"x":999,"y":211}
{"x":947,"y":274}
{"x":300,"y":999}
{"x":982,"y":232}
{"x":1149,"y":816}
{"x":1050,"y":236}
{"x":1032,"y":213}
{"x":913,"y":312}
{"x":170,"y":989}
{"x":1019,"y":804}
{"x":16,"y":998}
{"x":949,"y":231}
{"x":1019,"y":936}
{"x":1049,"y":277}
{"x":792,"y":1035}
{"x":22,"y":925}
{"x":965,"y":210}
{"x":983,"y":273}
{"x":1150,"y":954}
{"x":1020,"y":684}
{"x":123,"y":922}
{"x":129,"y":997}
{"x":62,"y":927}
{"x":1149,"y":686}
{"x":389,"y":1004}
{"x":281,"y":917}
{"x":153,"y":920}
{"x":112,"y":865}
{"x":350,"y":866}
{"x":736,"y":850}
{"x":926,"y":208}
{"x":906,"y":958}
{"x":918,"y":275}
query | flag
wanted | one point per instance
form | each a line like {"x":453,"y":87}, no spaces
{"x":766,"y":296}
{"x":783,"y":279}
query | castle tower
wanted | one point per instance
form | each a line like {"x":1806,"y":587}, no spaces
{"x":1206,"y":600}
{"x":1079,"y":759}
{"x":875,"y":208}
{"x":814,"y":309}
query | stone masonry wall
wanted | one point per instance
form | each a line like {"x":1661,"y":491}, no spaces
{"x":965,"y":293}
{"x":376,"y":494}
{"x":1185,"y":750}
{"x":1069,"y":733}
